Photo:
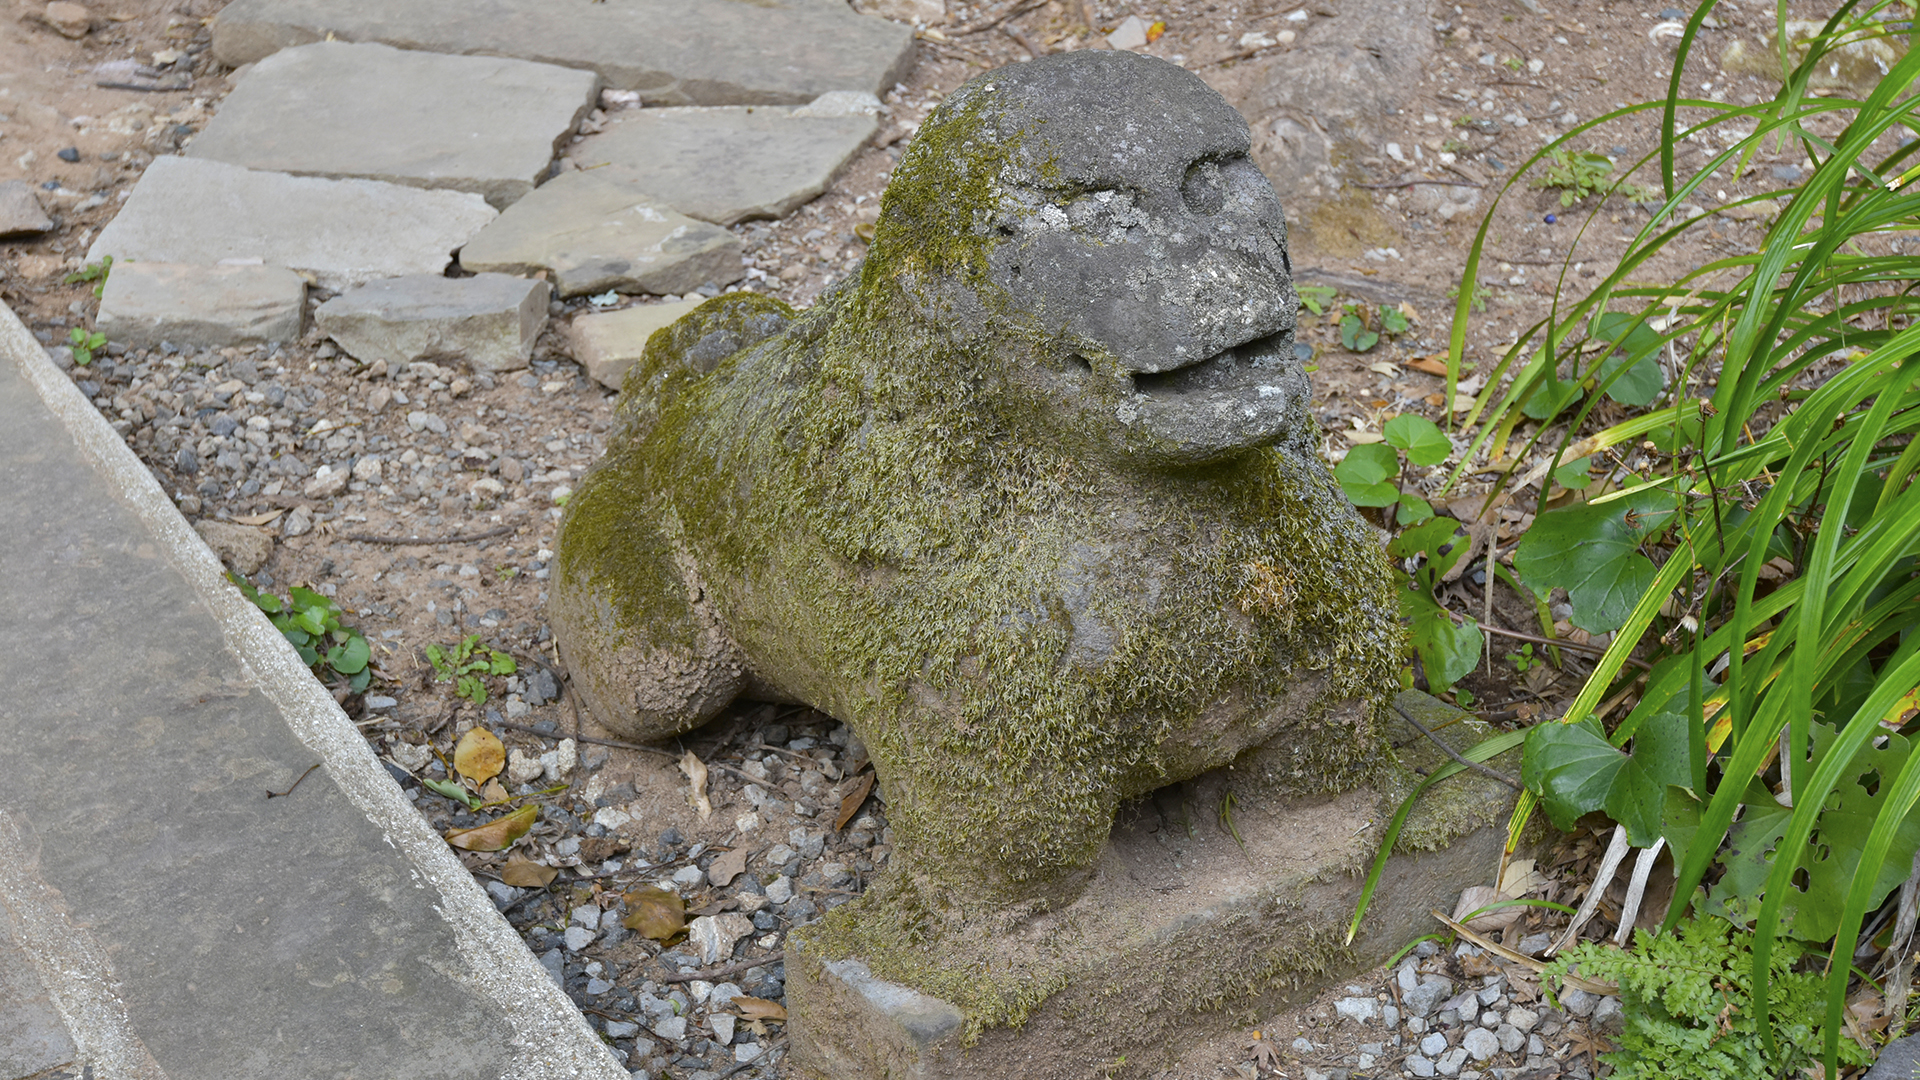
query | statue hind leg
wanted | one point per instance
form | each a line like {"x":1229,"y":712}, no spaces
{"x":636,"y":627}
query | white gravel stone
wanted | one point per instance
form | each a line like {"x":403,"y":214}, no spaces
{"x":579,"y":937}
{"x":716,"y":935}
{"x":689,"y":876}
{"x":1434,"y":1044}
{"x":672,"y":1029}
{"x":622,"y":1029}
{"x":1578,"y":1002}
{"x":1522,"y":1018}
{"x":587,"y":915}
{"x":1360,"y":1010}
{"x":1511,"y":1038}
{"x":722,"y":1024}
{"x":1481,"y":1043}
{"x":1450,"y":1062}
{"x":781,"y":890}
{"x":1417,"y":1065}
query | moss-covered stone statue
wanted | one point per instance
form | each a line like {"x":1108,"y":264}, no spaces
{"x":1033,"y":503}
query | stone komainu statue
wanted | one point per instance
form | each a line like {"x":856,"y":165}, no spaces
{"x":1033,"y":503}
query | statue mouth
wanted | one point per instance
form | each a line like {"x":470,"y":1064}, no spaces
{"x":1237,"y":371}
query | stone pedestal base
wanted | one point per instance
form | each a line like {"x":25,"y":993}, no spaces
{"x":1184,"y":932}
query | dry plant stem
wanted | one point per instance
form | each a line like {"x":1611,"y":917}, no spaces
{"x":1474,"y":765}
{"x":1013,"y":11}
{"x":1900,"y":948}
{"x":735,"y":968}
{"x":1617,"y":850}
{"x":618,"y":745}
{"x":1591,"y":986}
{"x":1637,"y":891}
{"x":428,"y":541}
{"x":1560,"y":643}
{"x":747,"y":1064}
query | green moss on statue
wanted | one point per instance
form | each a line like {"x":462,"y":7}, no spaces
{"x":1033,"y":504}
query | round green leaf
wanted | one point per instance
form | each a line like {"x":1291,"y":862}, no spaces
{"x":1366,"y":475}
{"x":1420,"y":437}
{"x":1447,"y":650}
{"x":350,"y":658}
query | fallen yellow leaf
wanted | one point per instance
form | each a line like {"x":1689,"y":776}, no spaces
{"x":696,"y":771}
{"x":850,"y":805}
{"x":498,"y":834}
{"x":753,"y":1008}
{"x":523,"y":873}
{"x":479,"y":755}
{"x":1155,"y":31}
{"x":655,"y":913}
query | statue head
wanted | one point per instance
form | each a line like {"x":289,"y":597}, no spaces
{"x":1096,"y":217}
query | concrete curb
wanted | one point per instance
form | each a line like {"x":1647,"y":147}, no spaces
{"x":550,"y":1037}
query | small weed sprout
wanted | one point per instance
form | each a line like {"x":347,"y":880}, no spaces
{"x":94,"y":272}
{"x":466,"y":665}
{"x":84,"y":344}
{"x":311,"y":623}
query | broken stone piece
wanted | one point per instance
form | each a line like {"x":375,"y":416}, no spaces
{"x":715,"y":935}
{"x":728,"y":165}
{"x":608,"y":344}
{"x":211,"y":307}
{"x":70,"y":19}
{"x":244,"y":550}
{"x":603,"y":231}
{"x":20,"y":211}
{"x":490,"y":320}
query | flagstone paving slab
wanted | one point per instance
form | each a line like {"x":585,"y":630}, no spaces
{"x":484,"y":124}
{"x":490,"y":320}
{"x":145,"y":303}
{"x":600,"y":230}
{"x":216,"y":932}
{"x":732,"y":164}
{"x":608,"y":344}
{"x":33,"y":1037}
{"x":714,"y":52}
{"x":343,"y":232}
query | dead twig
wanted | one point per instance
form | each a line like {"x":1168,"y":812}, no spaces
{"x":1410,"y":183}
{"x":1562,"y":643}
{"x":619,"y":745}
{"x":735,"y":968}
{"x":743,"y":1066}
{"x":1014,"y":11}
{"x":272,"y":794}
{"x":1474,"y":765}
{"x":428,"y":541}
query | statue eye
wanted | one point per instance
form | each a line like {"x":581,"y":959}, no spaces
{"x":1204,"y":189}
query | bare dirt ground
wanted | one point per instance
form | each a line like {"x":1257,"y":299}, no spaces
{"x":1388,"y":127}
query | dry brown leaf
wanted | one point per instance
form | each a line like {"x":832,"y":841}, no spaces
{"x":258,"y":519}
{"x":696,"y":771}
{"x":523,"y":873}
{"x":479,"y":755}
{"x":494,"y":792}
{"x":654,"y":913}
{"x":1435,"y":365}
{"x":498,"y":834}
{"x":722,"y":871}
{"x":850,"y":805}
{"x":753,"y":1008}
{"x":1474,"y":898}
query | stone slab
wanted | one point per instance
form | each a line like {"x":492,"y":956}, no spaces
{"x":212,"y":307}
{"x":485,"y":124}
{"x":715,"y":52}
{"x":20,"y":211}
{"x":610,"y":343}
{"x":733,"y":164}
{"x":490,"y":320}
{"x":342,"y":232}
{"x":1898,"y":1060}
{"x":33,"y":1037}
{"x":598,"y":231}
{"x":186,"y":925}
{"x":1173,"y":942}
